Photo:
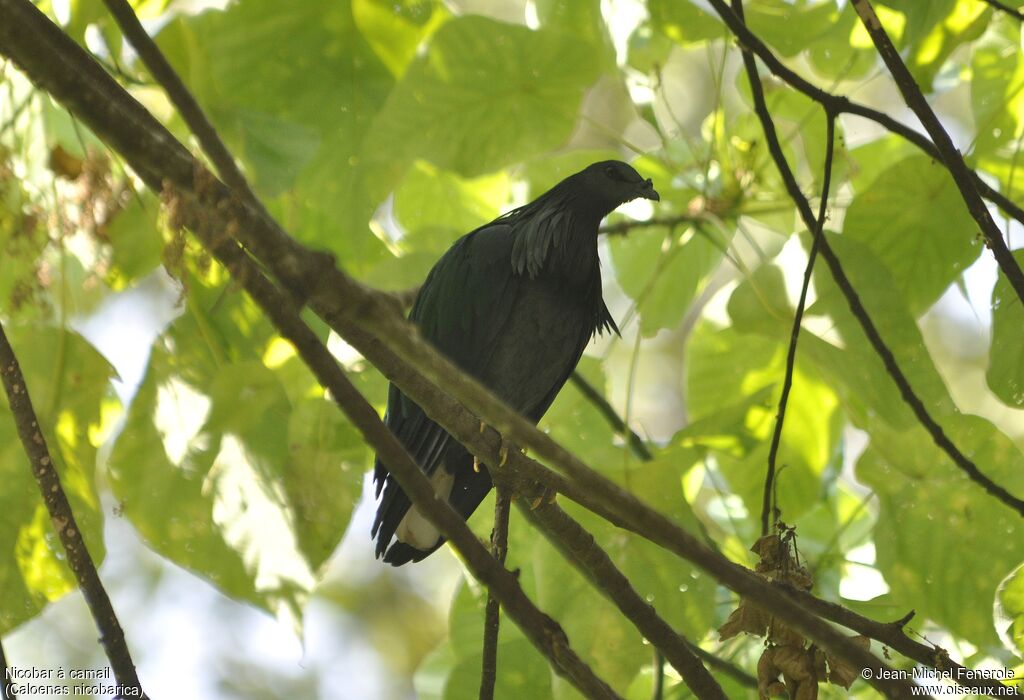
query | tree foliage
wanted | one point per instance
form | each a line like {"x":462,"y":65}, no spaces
{"x":381,"y":131}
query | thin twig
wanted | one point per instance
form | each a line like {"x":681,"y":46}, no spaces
{"x":787,"y":383}
{"x":658,"y":668}
{"x":182,"y":99}
{"x":623,"y":227}
{"x":1002,"y":7}
{"x":967,"y":179}
{"x":492,"y":614}
{"x":636,"y":443}
{"x":935,"y":430}
{"x":954,"y":161}
{"x":78,"y":558}
{"x":582,"y":550}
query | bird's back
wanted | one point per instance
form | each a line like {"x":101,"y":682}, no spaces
{"x":520,"y":334}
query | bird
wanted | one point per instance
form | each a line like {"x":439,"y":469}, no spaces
{"x":513,"y":303}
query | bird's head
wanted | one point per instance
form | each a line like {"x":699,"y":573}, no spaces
{"x":612,"y":182}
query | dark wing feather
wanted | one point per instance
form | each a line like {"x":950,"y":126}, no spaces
{"x":461,"y":309}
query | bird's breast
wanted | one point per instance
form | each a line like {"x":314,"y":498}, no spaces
{"x":541,"y":342}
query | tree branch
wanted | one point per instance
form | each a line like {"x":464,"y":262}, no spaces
{"x":635,"y":442}
{"x":63,"y":520}
{"x":623,"y":227}
{"x":794,"y":336}
{"x":186,"y":104}
{"x":492,"y":614}
{"x":936,"y":432}
{"x":954,"y":161}
{"x":841,"y":104}
{"x":1002,"y":7}
{"x":579,"y":547}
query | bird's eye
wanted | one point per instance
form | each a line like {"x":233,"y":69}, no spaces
{"x":610,"y":172}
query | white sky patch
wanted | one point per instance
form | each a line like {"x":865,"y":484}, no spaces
{"x":622,"y":17}
{"x":793,"y":261}
{"x":125,"y":324}
{"x":347,"y":355}
{"x":530,"y":15}
{"x":862,"y":581}
{"x":717,"y":310}
{"x":253,"y":522}
{"x":179,"y":416}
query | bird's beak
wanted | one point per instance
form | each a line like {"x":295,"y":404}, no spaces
{"x":647,"y":191}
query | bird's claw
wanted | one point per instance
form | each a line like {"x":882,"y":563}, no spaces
{"x":503,"y":454}
{"x":476,"y":464}
{"x":483,"y":427}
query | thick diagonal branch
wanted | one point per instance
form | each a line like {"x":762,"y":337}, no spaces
{"x":78,"y":558}
{"x":582,"y":550}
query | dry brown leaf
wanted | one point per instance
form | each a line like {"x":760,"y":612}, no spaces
{"x":783,"y":635}
{"x":746,"y":618}
{"x":806,"y":690}
{"x":795,"y":662}
{"x":65,"y":165}
{"x":768,"y":676}
{"x":841,"y":673}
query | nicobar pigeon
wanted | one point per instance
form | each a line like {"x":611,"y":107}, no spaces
{"x":513,"y":303}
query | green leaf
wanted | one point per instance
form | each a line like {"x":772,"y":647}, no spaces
{"x":870,"y":160}
{"x":69,"y":384}
{"x":997,"y":89}
{"x":849,"y":363}
{"x":136,"y":242}
{"x":663,"y":273}
{"x":521,"y":670}
{"x":293,"y":89}
{"x":575,"y":423}
{"x":395,"y":30}
{"x":437,"y":206}
{"x":942,"y":543}
{"x":913,"y":219}
{"x":221,"y":471}
{"x":1005,"y":374}
{"x":834,"y":55}
{"x":735,"y":381}
{"x":790,"y":27}
{"x":23,"y":239}
{"x":1010,"y":611}
{"x":326,"y":460}
{"x":684,"y":22}
{"x":485,"y":95}
{"x":935,"y":29}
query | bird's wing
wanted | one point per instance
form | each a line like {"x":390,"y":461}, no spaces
{"x":461,"y":309}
